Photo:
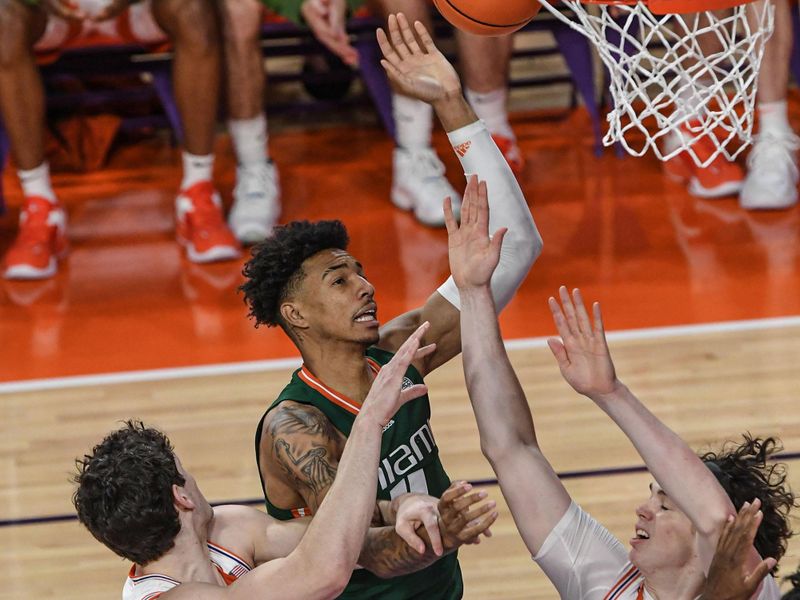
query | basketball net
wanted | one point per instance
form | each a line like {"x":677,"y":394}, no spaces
{"x":669,"y":94}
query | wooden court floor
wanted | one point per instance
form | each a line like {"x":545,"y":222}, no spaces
{"x":126,"y":300}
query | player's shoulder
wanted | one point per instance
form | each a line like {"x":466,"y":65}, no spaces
{"x":291,"y":418}
{"x":237,"y":529}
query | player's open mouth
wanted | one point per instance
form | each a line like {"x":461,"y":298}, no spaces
{"x":367,"y":315}
{"x":641,"y":534}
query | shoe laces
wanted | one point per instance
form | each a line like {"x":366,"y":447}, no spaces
{"x":774,"y":152}
{"x":34,"y":226}
{"x":256,"y":181}
{"x":426,"y":164}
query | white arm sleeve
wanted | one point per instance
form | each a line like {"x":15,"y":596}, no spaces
{"x":480,"y":156}
{"x":580,"y":557}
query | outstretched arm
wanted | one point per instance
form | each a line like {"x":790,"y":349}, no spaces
{"x":417,"y":68}
{"x":585,"y":362}
{"x":535,"y":495}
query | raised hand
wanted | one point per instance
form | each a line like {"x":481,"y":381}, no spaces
{"x":582,"y":352}
{"x":421,"y":72}
{"x":419,"y":510}
{"x":463,"y":518}
{"x":386,"y":396}
{"x":473,"y":254}
{"x":728,"y":578}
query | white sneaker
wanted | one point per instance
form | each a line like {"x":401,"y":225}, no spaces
{"x":772,"y":175}
{"x":256,"y":203}
{"x":419,"y":184}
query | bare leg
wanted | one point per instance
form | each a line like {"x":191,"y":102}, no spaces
{"x":21,"y":92}
{"x":192,"y":27}
{"x":484,"y":60}
{"x":773,"y":79}
{"x":245,"y":78}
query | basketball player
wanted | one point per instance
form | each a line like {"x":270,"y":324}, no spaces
{"x":135,"y":496}
{"x":676,"y":528}
{"x":418,"y":180}
{"x":26,"y":25}
{"x":772,"y":173}
{"x":304,"y":280}
{"x":256,"y":196}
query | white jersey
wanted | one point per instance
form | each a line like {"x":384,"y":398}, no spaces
{"x":585,"y":562}
{"x":150,"y":587}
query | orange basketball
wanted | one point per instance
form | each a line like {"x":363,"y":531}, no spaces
{"x":488,"y":17}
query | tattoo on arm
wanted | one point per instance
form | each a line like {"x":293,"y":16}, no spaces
{"x":386,"y":554}
{"x":305,"y":444}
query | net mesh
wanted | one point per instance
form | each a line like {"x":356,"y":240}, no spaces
{"x":678,"y":82}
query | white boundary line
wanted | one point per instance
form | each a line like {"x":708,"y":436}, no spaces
{"x":260,"y":366}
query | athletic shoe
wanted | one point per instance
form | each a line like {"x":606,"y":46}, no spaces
{"x":772,"y":173}
{"x":256,"y":206}
{"x":719,"y":179}
{"x":513,"y":155}
{"x":40,"y":243}
{"x":200,"y":226}
{"x":419,"y":184}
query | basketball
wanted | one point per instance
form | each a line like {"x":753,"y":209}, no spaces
{"x":485,"y":17}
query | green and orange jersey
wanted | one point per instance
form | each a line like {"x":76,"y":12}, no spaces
{"x":409,"y":462}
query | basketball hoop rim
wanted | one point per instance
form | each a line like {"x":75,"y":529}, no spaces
{"x":666,"y":7}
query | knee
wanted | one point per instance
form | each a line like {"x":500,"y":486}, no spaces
{"x":189,"y":23}
{"x":241,"y":22}
{"x":15,"y":32}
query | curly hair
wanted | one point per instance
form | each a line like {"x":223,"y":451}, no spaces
{"x":744,"y":472}
{"x":124,"y":495}
{"x":276,"y":265}
{"x":794,"y":593}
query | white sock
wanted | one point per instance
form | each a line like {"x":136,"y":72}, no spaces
{"x":492,"y":109}
{"x":196,"y":169}
{"x":689,"y":98}
{"x":413,"y":120}
{"x":249,"y":138}
{"x":773,"y":117}
{"x":36,"y":182}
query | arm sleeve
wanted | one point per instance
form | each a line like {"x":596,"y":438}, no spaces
{"x":580,"y":557}
{"x":480,"y":156}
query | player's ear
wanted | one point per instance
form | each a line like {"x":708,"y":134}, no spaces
{"x":292,"y":315}
{"x":181,"y":498}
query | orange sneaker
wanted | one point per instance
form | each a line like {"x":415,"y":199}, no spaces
{"x":40,"y":243}
{"x":201,"y":229}
{"x":719,"y":179}
{"x":513,"y":155}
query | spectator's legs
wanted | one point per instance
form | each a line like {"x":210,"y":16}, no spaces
{"x":41,"y":237}
{"x":772,"y":167}
{"x":256,"y":205}
{"x":192,"y":28}
{"x":418,"y":180}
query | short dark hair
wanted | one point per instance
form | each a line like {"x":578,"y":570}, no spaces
{"x":124,"y":495}
{"x":275,"y":266}
{"x":744,"y":471}
{"x":794,"y":593}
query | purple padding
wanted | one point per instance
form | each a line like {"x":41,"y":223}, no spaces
{"x":795,"y":64}
{"x":5,"y":147}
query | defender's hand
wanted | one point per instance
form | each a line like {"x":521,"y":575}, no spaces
{"x":473,"y":253}
{"x":727,"y":578}
{"x":421,"y":72}
{"x":582,"y":352}
{"x":419,"y":510}
{"x":463,"y":518}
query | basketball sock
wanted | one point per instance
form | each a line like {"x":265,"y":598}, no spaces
{"x":491,"y":108}
{"x":196,"y":169}
{"x":413,"y":121}
{"x":774,"y":117}
{"x":249,"y":137}
{"x":36,"y":182}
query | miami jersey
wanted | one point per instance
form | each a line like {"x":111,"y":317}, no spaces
{"x":150,"y":587}
{"x":409,"y":462}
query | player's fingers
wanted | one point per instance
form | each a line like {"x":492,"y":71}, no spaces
{"x":425,"y":37}
{"x":425,"y":351}
{"x":559,"y":319}
{"x":449,"y":217}
{"x":455,"y":490}
{"x":569,"y":310}
{"x":413,"y":392}
{"x":558,"y":350}
{"x":483,"y":206}
{"x":468,"y":202}
{"x":599,"y":329}
{"x":406,"y":531}
{"x":386,"y":47}
{"x":464,"y":502}
{"x":397,"y":39}
{"x":478,"y":511}
{"x":752,"y":581}
{"x":393,"y":73}
{"x":497,"y":239}
{"x":475,"y":528}
{"x":431,"y":523}
{"x":408,"y":34}
{"x":584,"y":324}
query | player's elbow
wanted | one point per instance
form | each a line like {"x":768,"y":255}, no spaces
{"x":712,"y":523}
{"x":498,"y":451}
{"x":330,"y":573}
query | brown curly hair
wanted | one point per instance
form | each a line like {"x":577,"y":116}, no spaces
{"x":745,"y":472}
